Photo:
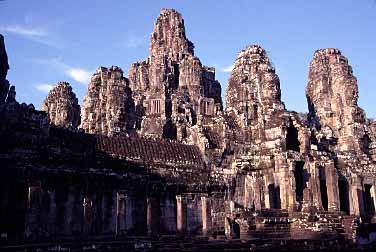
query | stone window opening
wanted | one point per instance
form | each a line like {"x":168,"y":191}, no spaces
{"x":292,"y":140}
{"x":344,"y":203}
{"x":155,"y":106}
{"x":366,"y":142}
{"x":207,"y":108}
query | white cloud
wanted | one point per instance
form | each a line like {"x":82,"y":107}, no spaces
{"x":44,"y":87}
{"x":76,"y":73}
{"x":227,"y":69}
{"x":79,"y":74}
{"x":35,"y":34}
{"x":23,"y":31}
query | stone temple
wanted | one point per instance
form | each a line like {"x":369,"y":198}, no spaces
{"x":153,"y":160}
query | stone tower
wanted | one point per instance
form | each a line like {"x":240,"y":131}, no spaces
{"x":62,"y":106}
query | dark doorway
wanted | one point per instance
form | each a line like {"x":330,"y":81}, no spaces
{"x":292,"y":141}
{"x":323,"y":189}
{"x":368,"y":200}
{"x":274,"y":196}
{"x":344,"y":203}
{"x":300,"y":181}
{"x":169,"y":130}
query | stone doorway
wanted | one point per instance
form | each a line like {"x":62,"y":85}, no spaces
{"x":274,"y":196}
{"x":301,"y":177}
{"x":369,"y":206}
{"x":323,"y":189}
{"x":343,"y":188}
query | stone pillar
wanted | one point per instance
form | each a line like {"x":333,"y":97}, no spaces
{"x":109,"y":212}
{"x":282,"y":190}
{"x":266,"y":192}
{"x":357,"y":202}
{"x":332,"y":187}
{"x":77,"y":212}
{"x":291,"y":187}
{"x":88,"y":215}
{"x":181,"y":214}
{"x":373,"y":195}
{"x":120,"y":212}
{"x":129,"y":215}
{"x":49,"y":212}
{"x":168,"y":213}
{"x":34,"y":206}
{"x":206,"y":215}
{"x":153,"y":215}
{"x":247,"y":191}
{"x":314,"y":184}
{"x":256,"y":195}
{"x":68,"y":211}
{"x":282,"y":169}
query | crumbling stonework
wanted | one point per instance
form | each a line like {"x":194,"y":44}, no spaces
{"x":332,"y":95}
{"x":172,"y":89}
{"x":159,"y":157}
{"x":62,"y":107}
{"x":107,"y":107}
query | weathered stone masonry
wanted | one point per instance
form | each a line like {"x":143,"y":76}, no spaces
{"x":156,"y":154}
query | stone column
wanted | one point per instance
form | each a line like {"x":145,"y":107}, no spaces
{"x":256,"y":195}
{"x":282,"y":168}
{"x":357,"y":202}
{"x":77,"y":212}
{"x":129,"y":215}
{"x":50,"y":213}
{"x":314,"y":184}
{"x":88,"y":215}
{"x":181,"y":214}
{"x":120,"y":212}
{"x":332,"y":187}
{"x":34,"y":206}
{"x":282,"y":189}
{"x":291,"y":188}
{"x":153,"y":215}
{"x":266,"y":192}
{"x":68,"y":211}
{"x":373,"y":195}
{"x":247,"y":191}
{"x":206,"y":215}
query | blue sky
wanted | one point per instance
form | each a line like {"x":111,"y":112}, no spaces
{"x":49,"y":41}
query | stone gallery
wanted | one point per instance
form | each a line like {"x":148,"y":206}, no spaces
{"x":153,"y":160}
